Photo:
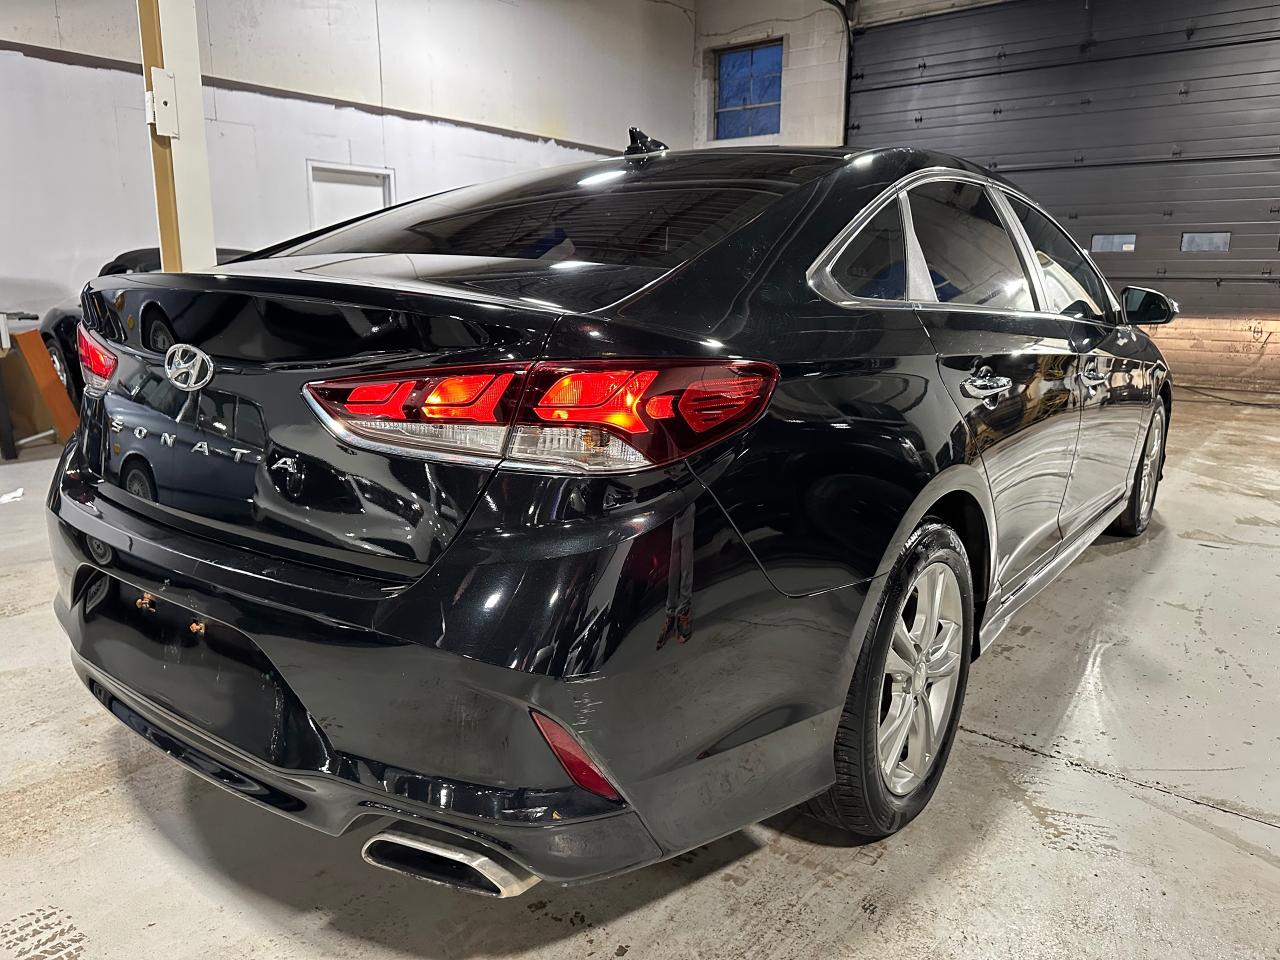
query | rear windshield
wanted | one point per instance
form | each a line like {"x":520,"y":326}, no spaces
{"x":658,"y":213}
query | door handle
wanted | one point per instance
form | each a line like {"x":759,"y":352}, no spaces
{"x":984,"y":385}
{"x":1093,"y":378}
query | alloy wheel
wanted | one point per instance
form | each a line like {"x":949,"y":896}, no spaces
{"x":1151,"y":466}
{"x":56,"y":359}
{"x":920,"y":678}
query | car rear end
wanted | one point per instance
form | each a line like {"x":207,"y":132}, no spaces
{"x":375,"y":539}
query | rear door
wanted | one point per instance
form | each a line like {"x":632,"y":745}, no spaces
{"x":1112,"y":387}
{"x":1009,"y":367}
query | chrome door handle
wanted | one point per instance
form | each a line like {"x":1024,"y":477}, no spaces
{"x":984,"y":385}
{"x":1093,"y":377}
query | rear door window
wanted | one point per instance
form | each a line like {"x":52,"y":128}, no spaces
{"x":970,"y":256}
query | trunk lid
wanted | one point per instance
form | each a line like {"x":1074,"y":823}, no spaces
{"x":243,"y":459}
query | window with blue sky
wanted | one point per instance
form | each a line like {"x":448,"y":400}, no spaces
{"x":749,"y":91}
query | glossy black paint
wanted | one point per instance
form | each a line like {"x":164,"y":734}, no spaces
{"x":388,"y":622}
{"x":58,"y":325}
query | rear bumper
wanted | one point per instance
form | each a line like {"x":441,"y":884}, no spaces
{"x":585,"y":849}
{"x":708,"y":699}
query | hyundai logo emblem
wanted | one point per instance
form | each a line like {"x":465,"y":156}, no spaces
{"x":187,"y":368}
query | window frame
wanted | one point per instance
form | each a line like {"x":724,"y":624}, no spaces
{"x":920,"y":295}
{"x":716,"y":110}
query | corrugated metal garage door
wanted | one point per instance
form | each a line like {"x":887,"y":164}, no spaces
{"x":1122,"y":116}
{"x":868,"y":12}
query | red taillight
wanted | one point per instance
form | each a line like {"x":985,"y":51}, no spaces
{"x":97,"y":362}
{"x":577,"y":416}
{"x":574,"y":759}
{"x":461,"y":411}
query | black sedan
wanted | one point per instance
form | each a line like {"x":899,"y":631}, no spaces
{"x":549,"y":528}
{"x":58,"y":326}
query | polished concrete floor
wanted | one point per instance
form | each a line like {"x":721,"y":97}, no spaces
{"x":1114,"y":791}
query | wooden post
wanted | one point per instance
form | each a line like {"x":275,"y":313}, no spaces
{"x":161,"y":149}
{"x":179,"y":163}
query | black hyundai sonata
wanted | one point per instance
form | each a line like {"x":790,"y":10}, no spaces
{"x":549,"y":528}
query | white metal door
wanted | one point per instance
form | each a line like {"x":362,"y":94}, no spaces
{"x":339,"y":193}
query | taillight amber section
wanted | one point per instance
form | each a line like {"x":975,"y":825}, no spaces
{"x":607,"y":397}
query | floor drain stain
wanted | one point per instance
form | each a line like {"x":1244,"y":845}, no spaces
{"x":46,"y":933}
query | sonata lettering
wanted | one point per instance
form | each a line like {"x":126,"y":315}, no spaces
{"x":237,"y":454}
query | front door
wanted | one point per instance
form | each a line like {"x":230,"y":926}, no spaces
{"x":1010,"y":369}
{"x":1112,"y":387}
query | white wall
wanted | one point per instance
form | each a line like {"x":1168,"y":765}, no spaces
{"x":75,"y":173}
{"x":577,"y":70}
{"x":813,"y":71}
{"x":365,"y":82}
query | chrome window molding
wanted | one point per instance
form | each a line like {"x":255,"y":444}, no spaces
{"x":920,"y":294}
{"x":819,"y":272}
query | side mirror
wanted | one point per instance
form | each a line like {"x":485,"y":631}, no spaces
{"x":1143,"y":306}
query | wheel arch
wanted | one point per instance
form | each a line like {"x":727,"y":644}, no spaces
{"x":960,"y":497}
{"x":136,"y":456}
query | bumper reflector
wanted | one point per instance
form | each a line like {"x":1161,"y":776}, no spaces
{"x":574,"y":759}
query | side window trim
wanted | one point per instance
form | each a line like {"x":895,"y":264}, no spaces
{"x":920,"y":292}
{"x":1022,"y":243}
{"x":819,"y":273}
{"x":919,"y":286}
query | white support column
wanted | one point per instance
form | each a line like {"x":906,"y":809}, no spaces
{"x":180,"y":161}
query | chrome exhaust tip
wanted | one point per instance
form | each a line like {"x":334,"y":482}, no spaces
{"x":450,"y":863}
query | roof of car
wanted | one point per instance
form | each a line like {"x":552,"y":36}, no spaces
{"x":841,"y":152}
{"x":917,"y":157}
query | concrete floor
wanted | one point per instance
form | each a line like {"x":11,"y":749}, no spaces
{"x":1114,"y":791}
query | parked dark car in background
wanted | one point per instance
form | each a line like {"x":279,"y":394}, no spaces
{"x":58,"y":326}
{"x":569,"y":522}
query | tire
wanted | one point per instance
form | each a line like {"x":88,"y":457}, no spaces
{"x":62,"y":369}
{"x":138,"y":481}
{"x":874,"y":797}
{"x":1146,"y":479}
